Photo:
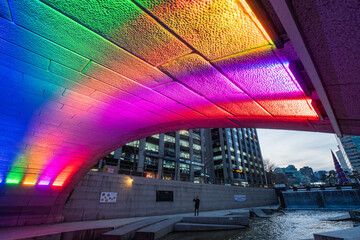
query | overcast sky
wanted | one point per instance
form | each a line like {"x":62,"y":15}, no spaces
{"x":283,"y":147}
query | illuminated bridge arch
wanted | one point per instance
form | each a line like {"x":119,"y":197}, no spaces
{"x":81,"y":78}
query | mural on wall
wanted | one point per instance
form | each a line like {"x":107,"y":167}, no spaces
{"x":108,"y":197}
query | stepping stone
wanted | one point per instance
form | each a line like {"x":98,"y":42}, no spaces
{"x":194,"y":227}
{"x":128,"y":232}
{"x":259,"y":213}
{"x":241,"y":213}
{"x":344,"y":234}
{"x":339,"y":218}
{"x":223,"y":220}
{"x":157,"y":230}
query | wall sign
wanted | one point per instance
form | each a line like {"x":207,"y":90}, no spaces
{"x":164,"y":196}
{"x":240,"y":198}
{"x":108,"y":197}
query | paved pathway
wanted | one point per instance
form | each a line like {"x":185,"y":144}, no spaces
{"x":20,"y":232}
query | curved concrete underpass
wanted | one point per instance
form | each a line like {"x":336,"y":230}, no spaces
{"x":81,"y":78}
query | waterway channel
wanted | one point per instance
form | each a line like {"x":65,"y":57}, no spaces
{"x":283,"y":225}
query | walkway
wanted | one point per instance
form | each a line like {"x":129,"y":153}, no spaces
{"x":22,"y":232}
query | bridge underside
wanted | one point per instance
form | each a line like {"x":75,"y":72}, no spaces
{"x":81,"y":78}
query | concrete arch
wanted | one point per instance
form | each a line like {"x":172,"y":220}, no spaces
{"x":81,"y":78}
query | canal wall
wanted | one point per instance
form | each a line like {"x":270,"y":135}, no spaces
{"x":145,"y":197}
{"x":326,"y":199}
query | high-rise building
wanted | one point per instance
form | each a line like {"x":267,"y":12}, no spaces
{"x":292,"y":174}
{"x":215,"y":155}
{"x":308,"y":172}
{"x":350,"y":147}
{"x":342,"y":161}
{"x":236,"y":156}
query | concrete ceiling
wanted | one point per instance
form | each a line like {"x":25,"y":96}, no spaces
{"x":81,"y":78}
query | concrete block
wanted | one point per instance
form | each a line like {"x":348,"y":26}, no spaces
{"x":233,"y":220}
{"x":40,"y":45}
{"x":344,"y":234}
{"x":241,"y":213}
{"x":129,"y":231}
{"x":157,"y":230}
{"x":259,"y":213}
{"x":195,"y":227}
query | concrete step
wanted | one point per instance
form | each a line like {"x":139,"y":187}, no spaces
{"x":344,"y":234}
{"x":340,"y":218}
{"x":195,"y":227}
{"x":355,"y":214}
{"x":157,"y":230}
{"x":223,"y":220}
{"x":259,"y":213}
{"x":240,"y":213}
{"x":128,"y":232}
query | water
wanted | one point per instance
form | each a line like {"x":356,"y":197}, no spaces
{"x":284,"y":225}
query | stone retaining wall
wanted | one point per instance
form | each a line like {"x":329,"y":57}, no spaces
{"x":139,"y":197}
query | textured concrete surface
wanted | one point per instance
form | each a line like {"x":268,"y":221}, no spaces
{"x":128,"y":232}
{"x":139,"y":198}
{"x":222,"y":220}
{"x":84,"y":229}
{"x":344,"y":234}
{"x":259,"y":213}
{"x":195,"y":227}
{"x":157,"y":230}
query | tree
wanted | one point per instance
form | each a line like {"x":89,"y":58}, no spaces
{"x":268,"y":165}
{"x":280,"y":178}
{"x":354,"y":176}
{"x":331,"y":178}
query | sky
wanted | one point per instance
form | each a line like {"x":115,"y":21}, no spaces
{"x":284,"y":147}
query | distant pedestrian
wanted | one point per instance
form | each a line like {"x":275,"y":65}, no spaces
{"x":197,"y":204}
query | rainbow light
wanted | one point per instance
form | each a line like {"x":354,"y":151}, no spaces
{"x":81,"y":78}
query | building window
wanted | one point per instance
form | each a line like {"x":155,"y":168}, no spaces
{"x":197,"y":147}
{"x":184,"y":132}
{"x":184,"y":143}
{"x":185,"y":155}
{"x":134,"y":143}
{"x":168,"y":138}
{"x":152,"y":147}
{"x":169,"y":164}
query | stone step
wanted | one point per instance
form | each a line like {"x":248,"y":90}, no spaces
{"x":340,"y":218}
{"x":344,"y":234}
{"x":240,"y":213}
{"x":259,"y":213}
{"x":128,"y":232}
{"x":223,"y":220}
{"x":194,"y":227}
{"x":157,"y":230}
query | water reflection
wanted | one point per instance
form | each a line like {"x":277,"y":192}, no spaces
{"x":296,"y":224}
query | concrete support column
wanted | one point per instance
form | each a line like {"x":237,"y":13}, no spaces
{"x":209,"y":157}
{"x":247,"y":154}
{"x":161,"y":156}
{"x":236,"y":148}
{"x":142,"y":145}
{"x":177,"y":155}
{"x":222,"y":142}
{"x":240,"y":136}
{"x":191,"y":151}
{"x":203,"y":153}
{"x":249,"y":133}
{"x":100,"y":164}
{"x":228,"y":153}
{"x":117,"y":155}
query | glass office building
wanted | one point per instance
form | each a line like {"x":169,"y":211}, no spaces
{"x":218,"y":155}
{"x":350,"y":147}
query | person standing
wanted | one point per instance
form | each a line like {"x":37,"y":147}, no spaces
{"x":197,"y":205}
